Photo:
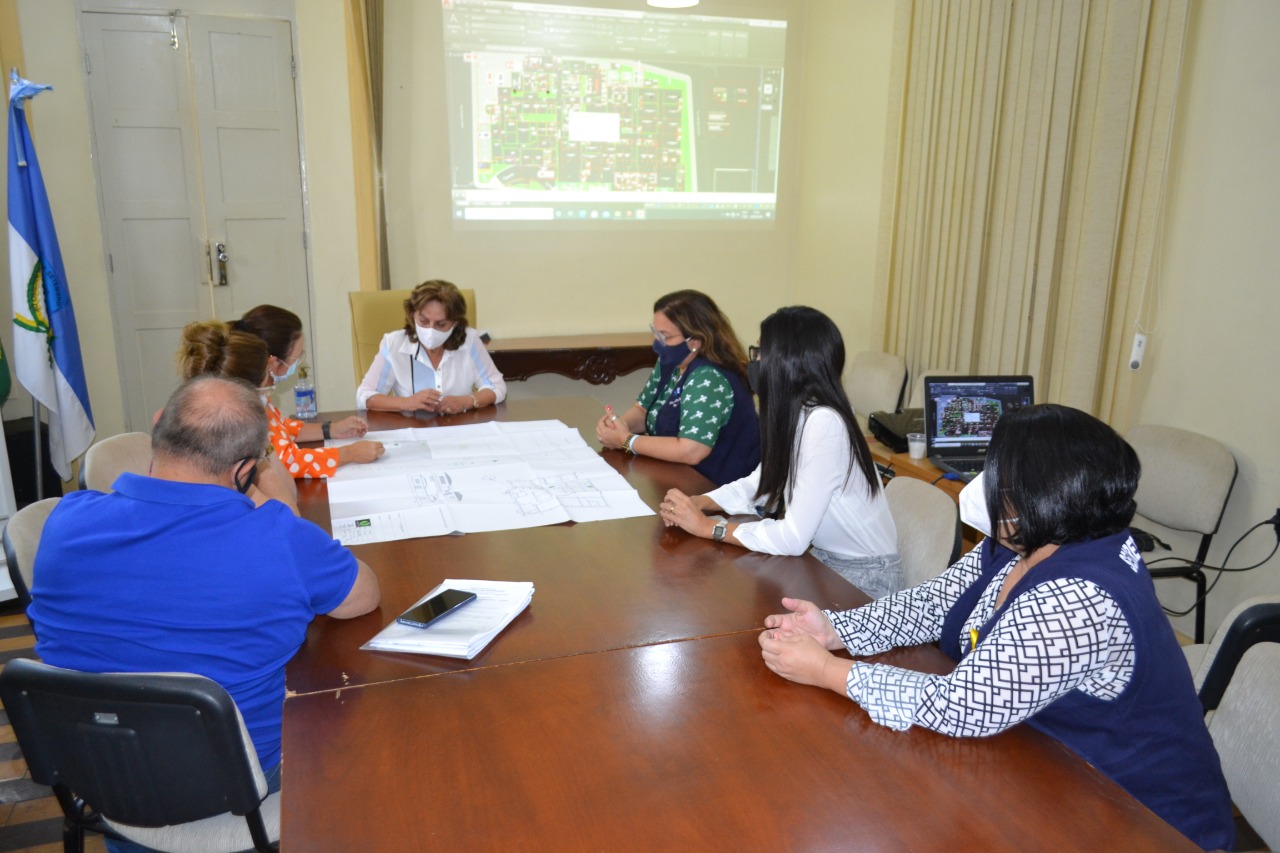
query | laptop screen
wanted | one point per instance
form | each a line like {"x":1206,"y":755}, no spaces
{"x":961,"y":411}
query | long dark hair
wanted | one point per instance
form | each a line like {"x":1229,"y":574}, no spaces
{"x":801,"y":360}
{"x":277,"y":327}
{"x":1064,"y":474}
{"x":696,"y":315}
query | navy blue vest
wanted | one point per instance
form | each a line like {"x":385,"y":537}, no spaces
{"x":1151,"y":740}
{"x":736,"y":452}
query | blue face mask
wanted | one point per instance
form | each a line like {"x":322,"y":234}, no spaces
{"x":670,"y":356}
{"x":293,"y":368}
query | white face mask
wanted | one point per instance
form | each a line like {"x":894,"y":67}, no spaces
{"x":973,"y":506}
{"x":433,"y":338}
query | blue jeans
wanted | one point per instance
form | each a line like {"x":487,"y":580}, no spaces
{"x":876,"y":576}
{"x":116,"y":845}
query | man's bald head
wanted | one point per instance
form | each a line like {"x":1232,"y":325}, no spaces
{"x":211,"y":423}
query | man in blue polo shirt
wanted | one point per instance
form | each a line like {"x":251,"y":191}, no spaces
{"x":179,"y":571}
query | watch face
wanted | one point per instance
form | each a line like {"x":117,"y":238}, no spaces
{"x":717,"y":532}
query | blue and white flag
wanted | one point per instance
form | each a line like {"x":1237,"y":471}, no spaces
{"x":46,"y":345}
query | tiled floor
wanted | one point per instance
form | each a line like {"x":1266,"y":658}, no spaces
{"x":30,"y":819}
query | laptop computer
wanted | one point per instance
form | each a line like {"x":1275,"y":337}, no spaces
{"x":961,"y":411}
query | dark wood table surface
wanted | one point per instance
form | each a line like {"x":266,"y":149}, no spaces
{"x":678,"y":746}
{"x":628,"y":709}
{"x":599,"y":585}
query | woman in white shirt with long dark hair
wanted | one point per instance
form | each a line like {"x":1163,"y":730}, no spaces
{"x":435,"y":363}
{"x":816,"y":487}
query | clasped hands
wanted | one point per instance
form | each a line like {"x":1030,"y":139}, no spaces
{"x":432,"y":400}
{"x":612,"y":432}
{"x":797,"y":646}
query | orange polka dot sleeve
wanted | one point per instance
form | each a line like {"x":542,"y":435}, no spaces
{"x":303,"y":463}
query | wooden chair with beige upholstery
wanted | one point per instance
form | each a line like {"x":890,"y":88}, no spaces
{"x":22,"y":540}
{"x":107,"y":459}
{"x":376,"y":312}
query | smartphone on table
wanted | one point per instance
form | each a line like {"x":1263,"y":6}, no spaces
{"x":437,"y":606}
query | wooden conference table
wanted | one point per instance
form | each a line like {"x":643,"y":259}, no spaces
{"x":628,"y":709}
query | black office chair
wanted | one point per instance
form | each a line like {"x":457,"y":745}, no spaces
{"x":162,"y":759}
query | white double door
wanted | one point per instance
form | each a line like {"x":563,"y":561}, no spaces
{"x":200,"y":178}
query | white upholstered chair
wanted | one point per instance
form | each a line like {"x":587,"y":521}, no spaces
{"x":1186,"y":481}
{"x":1246,"y":731}
{"x":928,"y":524}
{"x":875,"y":382}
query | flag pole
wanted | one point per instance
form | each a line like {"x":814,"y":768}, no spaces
{"x":35,"y":439}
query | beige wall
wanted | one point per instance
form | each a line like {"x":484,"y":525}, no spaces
{"x":847,"y":59}
{"x":1214,"y":345}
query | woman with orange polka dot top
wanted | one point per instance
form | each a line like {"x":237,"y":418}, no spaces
{"x":281,"y":331}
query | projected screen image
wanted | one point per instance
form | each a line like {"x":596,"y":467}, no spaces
{"x":575,"y":114}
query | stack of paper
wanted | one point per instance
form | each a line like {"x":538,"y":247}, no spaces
{"x":466,"y":631}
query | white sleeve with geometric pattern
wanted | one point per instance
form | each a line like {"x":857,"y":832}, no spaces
{"x":1060,"y":636}
{"x":909,"y":617}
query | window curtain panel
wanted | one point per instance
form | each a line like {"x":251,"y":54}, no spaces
{"x":1029,"y":143}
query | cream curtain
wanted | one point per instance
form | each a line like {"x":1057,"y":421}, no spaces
{"x":1028,"y":153}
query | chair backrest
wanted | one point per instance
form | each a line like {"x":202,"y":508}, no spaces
{"x":376,"y":312}
{"x":1246,"y":732}
{"x":22,"y":540}
{"x":1252,"y":621}
{"x":916,"y":400}
{"x":1186,"y":478}
{"x":145,"y":749}
{"x":111,"y":457}
{"x":928,"y":524}
{"x":875,"y":382}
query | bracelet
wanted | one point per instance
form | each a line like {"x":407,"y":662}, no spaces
{"x":324,"y":430}
{"x":630,"y":446}
{"x":475,"y":401}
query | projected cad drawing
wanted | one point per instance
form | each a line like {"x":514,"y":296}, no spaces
{"x":561,"y":112}
{"x":581,"y":124}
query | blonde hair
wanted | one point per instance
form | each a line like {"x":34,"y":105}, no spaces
{"x":211,"y":347}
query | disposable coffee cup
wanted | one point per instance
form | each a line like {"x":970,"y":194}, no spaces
{"x":915,"y":444}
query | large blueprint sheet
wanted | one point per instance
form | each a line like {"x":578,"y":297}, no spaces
{"x":468,"y":479}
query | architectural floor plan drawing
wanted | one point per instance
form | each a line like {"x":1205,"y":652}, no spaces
{"x":469,"y":479}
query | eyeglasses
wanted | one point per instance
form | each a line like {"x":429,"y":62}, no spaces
{"x":660,"y":337}
{"x":753,"y":353}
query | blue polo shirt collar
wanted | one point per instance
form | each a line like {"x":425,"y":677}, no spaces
{"x":155,"y":490}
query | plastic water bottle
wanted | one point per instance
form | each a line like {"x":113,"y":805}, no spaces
{"x":304,"y":396}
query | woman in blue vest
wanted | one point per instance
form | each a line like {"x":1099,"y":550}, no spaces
{"x":1053,"y":620}
{"x":696,"y":407}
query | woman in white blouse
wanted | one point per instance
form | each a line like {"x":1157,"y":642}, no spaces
{"x":816,"y":487}
{"x":435,"y":363}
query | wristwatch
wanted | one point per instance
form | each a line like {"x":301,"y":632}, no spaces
{"x":717,"y":532}
{"x":324,"y":429}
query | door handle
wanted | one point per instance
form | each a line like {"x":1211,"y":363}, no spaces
{"x":220,"y":256}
